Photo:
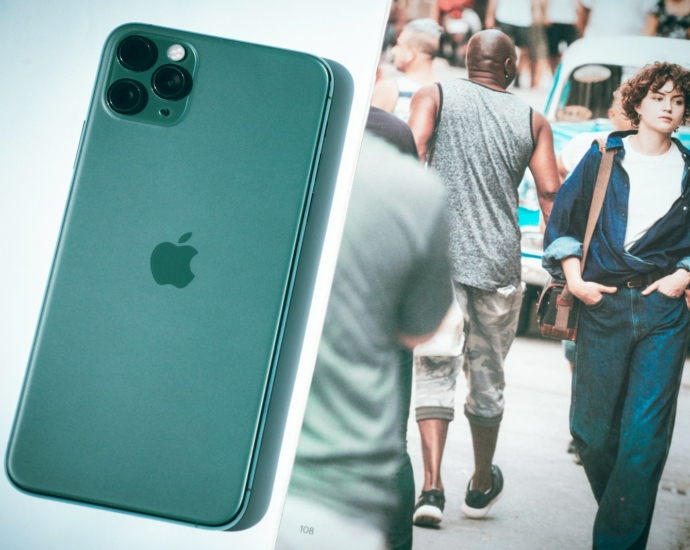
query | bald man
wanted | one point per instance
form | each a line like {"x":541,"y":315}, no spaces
{"x":483,"y":140}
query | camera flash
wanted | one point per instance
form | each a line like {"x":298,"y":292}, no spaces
{"x":176,"y":52}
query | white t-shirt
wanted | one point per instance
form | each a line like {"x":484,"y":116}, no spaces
{"x":575,"y":149}
{"x":617,"y":17}
{"x":514,"y":12}
{"x":655,"y":184}
{"x":562,"y":11}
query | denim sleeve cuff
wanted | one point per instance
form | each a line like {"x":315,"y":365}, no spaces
{"x":684,"y":263}
{"x":561,"y":248}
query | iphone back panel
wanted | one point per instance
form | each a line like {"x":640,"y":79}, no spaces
{"x":155,"y":351}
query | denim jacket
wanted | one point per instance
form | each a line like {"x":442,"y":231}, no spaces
{"x":665,"y":247}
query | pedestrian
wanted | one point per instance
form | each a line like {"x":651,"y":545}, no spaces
{"x":561,"y":18}
{"x":613,"y":17}
{"x":567,"y":160}
{"x":480,"y":139}
{"x":399,"y":534}
{"x":633,"y":325}
{"x":670,"y":19}
{"x":459,"y":21}
{"x":391,"y":290}
{"x":575,"y":149}
{"x":516,"y":19}
{"x":413,"y":54}
{"x":393,"y":130}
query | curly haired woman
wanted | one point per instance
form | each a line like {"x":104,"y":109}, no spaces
{"x":634,"y":321}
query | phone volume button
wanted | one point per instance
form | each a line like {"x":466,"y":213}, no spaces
{"x":81,"y":138}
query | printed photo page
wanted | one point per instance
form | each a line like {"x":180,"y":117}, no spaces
{"x":442,"y":410}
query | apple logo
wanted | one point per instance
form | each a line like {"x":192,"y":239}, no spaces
{"x":170,"y":264}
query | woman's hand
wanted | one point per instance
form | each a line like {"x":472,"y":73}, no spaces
{"x":588,"y":292}
{"x":672,"y":285}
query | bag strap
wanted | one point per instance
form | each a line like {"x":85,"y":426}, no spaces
{"x":598,"y":197}
{"x":600,"y":187}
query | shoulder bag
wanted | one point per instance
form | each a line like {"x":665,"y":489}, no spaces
{"x":558,"y":311}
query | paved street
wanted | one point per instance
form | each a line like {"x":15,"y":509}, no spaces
{"x":547,"y":503}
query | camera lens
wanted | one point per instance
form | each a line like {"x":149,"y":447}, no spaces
{"x":127,"y":97}
{"x":137,"y":53}
{"x":171,"y":82}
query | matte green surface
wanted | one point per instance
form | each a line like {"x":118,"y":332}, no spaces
{"x":149,"y":398}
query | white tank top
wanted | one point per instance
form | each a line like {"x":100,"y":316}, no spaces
{"x":406,"y":89}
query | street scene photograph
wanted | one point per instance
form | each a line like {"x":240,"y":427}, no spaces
{"x":502,"y":360}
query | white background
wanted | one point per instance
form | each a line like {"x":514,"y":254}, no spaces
{"x":50,"y":52}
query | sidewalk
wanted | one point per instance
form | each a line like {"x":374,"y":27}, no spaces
{"x":547,"y":503}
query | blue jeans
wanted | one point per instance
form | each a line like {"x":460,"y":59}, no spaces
{"x":628,"y":364}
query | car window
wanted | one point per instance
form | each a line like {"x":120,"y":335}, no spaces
{"x":588,"y":92}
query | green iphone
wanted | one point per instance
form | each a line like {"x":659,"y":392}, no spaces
{"x":154,"y":356}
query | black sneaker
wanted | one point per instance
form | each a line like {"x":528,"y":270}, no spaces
{"x":572,"y":448}
{"x":477,"y":503}
{"x":428,"y":512}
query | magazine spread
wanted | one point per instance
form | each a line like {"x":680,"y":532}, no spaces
{"x":458,"y":218}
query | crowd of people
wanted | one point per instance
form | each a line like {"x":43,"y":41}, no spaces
{"x":543,"y":29}
{"x":428,"y":283}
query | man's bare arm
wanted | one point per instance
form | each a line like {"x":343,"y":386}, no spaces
{"x":582,"y":18}
{"x":651,"y":25}
{"x":543,"y":164}
{"x":562,"y":170}
{"x":423,"y":113}
{"x":385,"y":94}
{"x":410,"y":341}
{"x":490,"y":18}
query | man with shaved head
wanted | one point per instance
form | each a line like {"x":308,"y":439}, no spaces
{"x":480,"y":139}
{"x":413,"y":55}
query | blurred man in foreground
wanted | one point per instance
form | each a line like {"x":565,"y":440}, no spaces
{"x":390,"y":292}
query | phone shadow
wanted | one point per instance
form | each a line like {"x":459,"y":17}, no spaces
{"x":305,"y":278}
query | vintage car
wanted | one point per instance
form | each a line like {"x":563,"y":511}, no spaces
{"x":590,"y":70}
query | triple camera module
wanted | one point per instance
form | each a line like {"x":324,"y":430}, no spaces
{"x":170,"y":82}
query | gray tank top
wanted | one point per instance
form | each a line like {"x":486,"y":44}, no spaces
{"x":482,"y":146}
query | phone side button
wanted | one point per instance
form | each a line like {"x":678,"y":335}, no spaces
{"x":81,"y":138}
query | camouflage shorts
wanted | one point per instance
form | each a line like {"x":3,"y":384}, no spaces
{"x":490,"y":324}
